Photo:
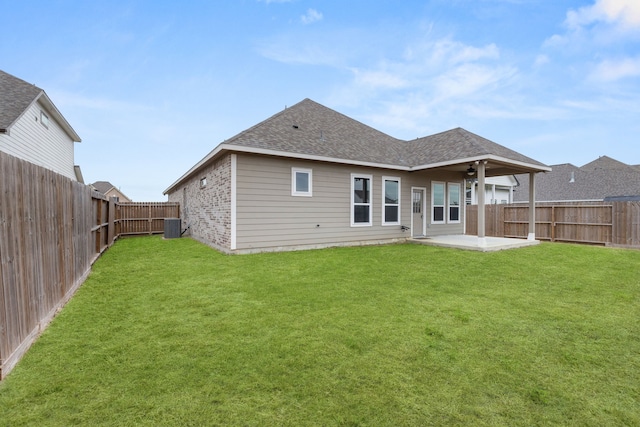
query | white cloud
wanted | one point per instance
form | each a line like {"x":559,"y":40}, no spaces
{"x":541,"y":60}
{"x":442,"y":69}
{"x":611,"y":70}
{"x":603,"y":23}
{"x":432,"y":85}
{"x":311,"y":16}
{"x":624,"y":13}
{"x":447,"y":51}
{"x":469,"y":79}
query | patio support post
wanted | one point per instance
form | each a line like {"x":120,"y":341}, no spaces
{"x":532,"y":206}
{"x":481,"y":202}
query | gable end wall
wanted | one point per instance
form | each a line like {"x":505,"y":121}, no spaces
{"x":207,"y":210}
{"x":30,"y":140}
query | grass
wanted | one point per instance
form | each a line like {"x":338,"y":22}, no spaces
{"x":170,"y":332}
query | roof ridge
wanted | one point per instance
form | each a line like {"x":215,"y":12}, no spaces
{"x":472,"y":138}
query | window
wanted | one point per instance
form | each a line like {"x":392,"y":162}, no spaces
{"x":437,"y":202}
{"x":44,"y":119}
{"x":454,"y":202}
{"x":203,"y":182}
{"x":360,"y":200}
{"x":301,"y":182}
{"x":390,"y":201}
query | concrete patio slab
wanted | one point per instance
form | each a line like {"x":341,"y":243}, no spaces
{"x":473,"y":243}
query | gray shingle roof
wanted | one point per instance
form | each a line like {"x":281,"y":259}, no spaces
{"x":102,"y":186}
{"x":15,"y":97}
{"x":603,"y":177}
{"x":607,"y":163}
{"x":459,"y":144}
{"x":313,"y":131}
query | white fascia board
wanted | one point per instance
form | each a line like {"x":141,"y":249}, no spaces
{"x":57,"y":115}
{"x":267,"y":152}
{"x":253,"y":150}
{"x":487,"y":157}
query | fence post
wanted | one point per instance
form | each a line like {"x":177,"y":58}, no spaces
{"x":111,"y":234}
{"x":553,"y":223}
{"x":98,"y":225}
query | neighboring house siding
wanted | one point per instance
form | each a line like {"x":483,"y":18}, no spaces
{"x":48,"y":147}
{"x":268,"y":216}
{"x":207,"y":210}
{"x":116,"y":193}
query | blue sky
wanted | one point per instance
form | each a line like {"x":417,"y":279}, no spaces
{"x":152,"y":86}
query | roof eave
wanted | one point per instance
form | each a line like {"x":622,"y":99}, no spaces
{"x":51,"y":108}
{"x":253,"y":150}
{"x":524,"y":165}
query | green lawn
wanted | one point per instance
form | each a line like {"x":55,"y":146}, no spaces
{"x":170,"y":332}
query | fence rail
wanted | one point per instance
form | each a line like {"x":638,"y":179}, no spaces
{"x":144,"y":217}
{"x":610,"y":224}
{"x":52,"y":230}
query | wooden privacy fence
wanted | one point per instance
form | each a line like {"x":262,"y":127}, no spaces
{"x":52,"y":230}
{"x":611,"y":224}
{"x":144,"y":217}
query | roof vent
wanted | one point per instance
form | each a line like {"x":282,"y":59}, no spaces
{"x":295,"y":126}
{"x":573,"y":177}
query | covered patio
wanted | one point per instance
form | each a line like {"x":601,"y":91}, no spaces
{"x":487,"y":159}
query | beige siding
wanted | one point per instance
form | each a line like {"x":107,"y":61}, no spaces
{"x":443,"y":229}
{"x":48,"y":147}
{"x":268,"y":216}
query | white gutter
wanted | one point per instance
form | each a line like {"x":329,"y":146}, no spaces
{"x":242,"y":149}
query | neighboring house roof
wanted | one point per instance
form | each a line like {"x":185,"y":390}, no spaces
{"x":105,"y":187}
{"x":606,"y":163}
{"x":311,"y":131}
{"x":102,"y":186}
{"x":602,"y":178}
{"x":16,"y":96}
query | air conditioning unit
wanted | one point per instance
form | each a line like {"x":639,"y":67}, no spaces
{"x":172,"y":228}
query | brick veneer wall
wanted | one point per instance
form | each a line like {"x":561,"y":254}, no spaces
{"x":207,"y":210}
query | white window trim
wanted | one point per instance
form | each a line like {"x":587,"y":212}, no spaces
{"x":384,"y":204}
{"x":362,"y":224}
{"x":44,"y":119}
{"x":449,"y":205}
{"x":444,"y":207}
{"x":423,"y":207}
{"x":294,"y":191}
